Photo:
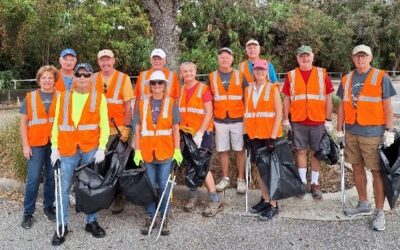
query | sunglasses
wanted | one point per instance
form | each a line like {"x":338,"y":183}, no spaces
{"x":86,"y":75}
{"x":105,"y":87}
{"x":156,"y":82}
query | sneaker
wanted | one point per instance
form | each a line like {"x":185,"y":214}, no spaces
{"x":260,"y":206}
{"x":268,"y":213}
{"x":222,"y":184}
{"x":147,"y":223}
{"x":241,"y":186}
{"x":50,"y":214}
{"x":212,"y":209}
{"x":166,"y":227}
{"x":362,"y":208}
{"x":316,"y":192}
{"x":378,"y":220}
{"x":95,"y":229}
{"x":118,"y":205}
{"x":190,"y":205}
{"x":27,"y":221}
{"x":56,"y":241}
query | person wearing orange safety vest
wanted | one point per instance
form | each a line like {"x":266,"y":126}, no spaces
{"x":366,"y":111}
{"x":227,"y":86}
{"x":262,"y":127}
{"x":37,"y":115}
{"x":117,"y":88}
{"x":157,"y":142}
{"x":158,"y":60}
{"x":67,"y":61}
{"x":253,"y":50}
{"x":308,"y":99}
{"x":79,"y":135}
{"x":196,"y":112}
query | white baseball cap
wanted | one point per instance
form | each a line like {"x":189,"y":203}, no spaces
{"x":158,"y":52}
{"x":252,"y":41}
{"x":362,"y":48}
{"x":157,"y":75}
{"x":105,"y":52}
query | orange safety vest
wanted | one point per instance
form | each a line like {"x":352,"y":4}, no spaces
{"x":142,"y":86}
{"x":227,"y":102}
{"x":244,"y":68}
{"x":308,"y":100}
{"x":369,"y":109}
{"x":192,"y":112}
{"x":87,"y":134}
{"x":156,"y":140}
{"x":114,"y":96}
{"x":40,"y":123}
{"x":259,"y":120}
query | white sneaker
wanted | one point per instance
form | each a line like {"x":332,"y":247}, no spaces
{"x":224,"y":183}
{"x":241,"y":186}
{"x":378,"y":220}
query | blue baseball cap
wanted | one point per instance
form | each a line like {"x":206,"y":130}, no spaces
{"x":86,"y":66}
{"x":68,"y":52}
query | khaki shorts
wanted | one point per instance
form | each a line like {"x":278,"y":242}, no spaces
{"x":363,"y":150}
{"x":227,"y":134}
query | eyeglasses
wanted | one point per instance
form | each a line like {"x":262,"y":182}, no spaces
{"x":156,"y":82}
{"x":86,"y":75}
{"x":363,"y":56}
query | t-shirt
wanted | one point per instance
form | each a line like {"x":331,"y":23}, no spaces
{"x":306,"y":76}
{"x":207,"y":96}
{"x":67,"y":82}
{"x":271,"y":71}
{"x":46,"y":101}
{"x":127,"y":90}
{"x":357,"y":84}
{"x":155,"y":112}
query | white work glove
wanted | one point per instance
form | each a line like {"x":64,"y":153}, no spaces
{"x":55,"y":156}
{"x":99,"y":156}
{"x":340,"y":138}
{"x":286,"y":126}
{"x":328,"y":126}
{"x":198,"y":138}
{"x":388,"y":138}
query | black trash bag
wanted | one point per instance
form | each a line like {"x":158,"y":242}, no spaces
{"x":390,"y":169}
{"x":117,"y":145}
{"x":279,"y":172}
{"x":329,"y":150}
{"x":196,"y":160}
{"x":97,"y":184}
{"x":134,"y":182}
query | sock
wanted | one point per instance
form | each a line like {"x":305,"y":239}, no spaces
{"x":214,"y":197}
{"x":303,"y":175}
{"x":314,"y":177}
{"x":193,"y":193}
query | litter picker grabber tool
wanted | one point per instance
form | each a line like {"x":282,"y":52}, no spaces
{"x":342,"y":174}
{"x":248,"y":177}
{"x":58,"y":195}
{"x":172,"y":183}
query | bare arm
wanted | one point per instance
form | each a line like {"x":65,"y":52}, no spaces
{"x":286,"y":105}
{"x":328,"y":106}
{"x":128,"y":112}
{"x":208,"y":108}
{"x":340,"y":117}
{"x":136,"y":141}
{"x":176,"y":137}
{"x":24,"y":136}
{"x":387,"y":108}
{"x":278,"y":113}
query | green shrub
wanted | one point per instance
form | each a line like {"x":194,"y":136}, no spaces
{"x":6,"y":79}
{"x":11,"y":155}
{"x":335,"y":102}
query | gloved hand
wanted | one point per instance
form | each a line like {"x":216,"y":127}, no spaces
{"x":55,"y":156}
{"x":125,"y":130}
{"x":340,"y":138}
{"x":178,"y":156}
{"x":388,"y":138}
{"x":198,"y":138}
{"x":286,"y":126}
{"x":138,"y":157}
{"x":328,"y":126}
{"x":99,"y":156}
{"x":270,"y":143}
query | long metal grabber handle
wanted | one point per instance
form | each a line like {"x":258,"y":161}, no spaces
{"x":59,"y":205}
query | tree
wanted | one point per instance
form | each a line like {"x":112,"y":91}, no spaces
{"x":163,"y":16}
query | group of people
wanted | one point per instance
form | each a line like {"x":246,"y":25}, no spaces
{"x":71,"y":119}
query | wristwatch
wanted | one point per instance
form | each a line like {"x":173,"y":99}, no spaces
{"x":389,"y":129}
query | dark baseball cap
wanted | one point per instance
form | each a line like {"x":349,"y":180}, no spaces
{"x":68,"y":51}
{"x":86,"y":66}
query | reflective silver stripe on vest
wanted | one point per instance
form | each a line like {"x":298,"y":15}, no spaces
{"x":87,"y":127}
{"x":195,"y":110}
{"x":292,"y":77}
{"x":346,"y":96}
{"x":235,"y":97}
{"x":94,"y":78}
{"x":182,"y":109}
{"x":249,"y":91}
{"x":142,"y":84}
{"x":117,"y":89}
{"x":241,"y":66}
{"x":259,"y":114}
{"x":144,"y":131}
{"x":167,"y":101}
{"x":200,"y":90}
{"x":35,"y":120}
{"x":320,"y":97}
{"x":220,"y":98}
{"x":267,"y":91}
{"x":374,"y":76}
{"x":66,"y":128}
{"x":321,"y":84}
{"x":157,"y":133}
{"x":93,"y":100}
{"x":65,"y":110}
{"x":51,"y":119}
{"x":169,"y":83}
{"x":369,"y":99}
{"x":237,"y":77}
{"x":215,"y":85}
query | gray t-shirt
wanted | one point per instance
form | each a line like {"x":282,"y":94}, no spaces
{"x":46,"y":101}
{"x":155,"y":112}
{"x":357,"y":83}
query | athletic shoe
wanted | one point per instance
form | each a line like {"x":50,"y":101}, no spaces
{"x":362,"y":208}
{"x":241,"y":186}
{"x":27,"y":221}
{"x":268,"y":213}
{"x":316,"y":192}
{"x":190,"y":205}
{"x":222,"y":184}
{"x":213,"y":208}
{"x":146,"y":225}
{"x":259,"y":207}
{"x":378,"y":220}
{"x":50,"y":214}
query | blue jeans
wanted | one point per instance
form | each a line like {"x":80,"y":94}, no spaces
{"x":39,"y":161}
{"x":158,"y":175}
{"x":68,"y":164}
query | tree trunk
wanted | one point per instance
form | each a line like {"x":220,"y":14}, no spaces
{"x":163,"y":15}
